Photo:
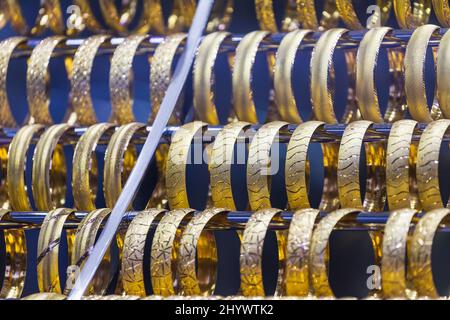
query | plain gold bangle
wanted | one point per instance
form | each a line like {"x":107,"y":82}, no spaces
{"x":308,"y":16}
{"x":351,"y":20}
{"x":411,"y":17}
{"x":443,"y":67}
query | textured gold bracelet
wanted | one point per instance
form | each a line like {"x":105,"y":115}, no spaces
{"x":443,"y":67}
{"x":442,"y":12}
{"x":412,"y":16}
{"x":351,"y":20}
{"x":266,"y":16}
{"x":119,"y":20}
{"x":88,"y":17}
{"x":45,"y":296}
{"x":308,"y":15}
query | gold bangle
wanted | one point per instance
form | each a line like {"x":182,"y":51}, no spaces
{"x":4,"y":198}
{"x":222,"y":158}
{"x":45,"y":296}
{"x":351,"y":20}
{"x":415,"y":58}
{"x":85,"y":169}
{"x":118,"y":21}
{"x":49,"y":172}
{"x":411,"y":17}
{"x":428,"y":165}
{"x":182,"y":15}
{"x":394,"y":277}
{"x":297,"y":252}
{"x":252,"y":251}
{"x":48,"y":249}
{"x":285,"y":59}
{"x":366,"y":91}
{"x":421,"y":250}
{"x":401,"y":160}
{"x":221,"y":15}
{"x":297,"y":169}
{"x":80,"y":80}
{"x":266,"y":16}
{"x":310,"y":20}
{"x":177,"y":161}
{"x":161,"y":75}
{"x":88,"y":17}
{"x":442,"y":67}
{"x":4,"y":14}
{"x":348,"y":169}
{"x":199,"y":278}
{"x":164,"y":253}
{"x":259,"y":164}
{"x":7,"y":48}
{"x":442,"y":12}
{"x":18,"y":149}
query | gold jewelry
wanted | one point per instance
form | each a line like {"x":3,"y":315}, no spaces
{"x":348,"y":169}
{"x":411,"y":17}
{"x":49,"y":172}
{"x":285,"y":59}
{"x":222,"y":158}
{"x":310,"y":20}
{"x":297,"y":168}
{"x":221,"y":15}
{"x":401,"y":159}
{"x":259,"y":164}
{"x":442,"y":12}
{"x":421,"y":250}
{"x":85,"y":170}
{"x":428,"y":165}
{"x":266,"y":16}
{"x":118,"y":21}
{"x":45,"y":296}
{"x":442,"y":86}
{"x":351,"y":20}
{"x":178,"y":160}
{"x":366,"y":91}
{"x":199,"y":278}
{"x":88,"y":17}
{"x":4,"y":200}
{"x":4,"y":14}
{"x":415,"y":57}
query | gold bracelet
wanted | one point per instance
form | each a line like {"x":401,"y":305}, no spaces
{"x":415,"y":58}
{"x":297,"y":169}
{"x":351,"y":20}
{"x":45,"y":296}
{"x":48,"y":249}
{"x":266,"y":16}
{"x":222,"y":158}
{"x":285,"y":59}
{"x":427,"y":171}
{"x":394,"y":277}
{"x":348,"y":169}
{"x":199,"y":278}
{"x":442,"y":12}
{"x":164,"y":253}
{"x":49,"y":172}
{"x":421,"y":250}
{"x":4,"y":14}
{"x":259,"y":164}
{"x":366,"y":91}
{"x":442,"y":67}
{"x":118,"y":21}
{"x":4,"y":199}
{"x":85,"y":167}
{"x":297,"y":252}
{"x":310,"y":20}
{"x":177,"y":161}
{"x":401,"y":161}
{"x":411,"y":17}
{"x":7,"y":48}
{"x":161,"y":75}
{"x":88,"y":17}
{"x":80,"y":80}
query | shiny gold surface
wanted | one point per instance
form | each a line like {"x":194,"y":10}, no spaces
{"x":266,"y":16}
{"x":442,"y":70}
{"x":351,"y":20}
{"x":328,"y":18}
{"x":412,"y":16}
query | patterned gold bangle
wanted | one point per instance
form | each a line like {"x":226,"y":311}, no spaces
{"x":85,"y":169}
{"x":421,"y":250}
{"x":118,"y":21}
{"x":297,"y":252}
{"x":427,"y":171}
{"x":259,"y":164}
{"x":297,"y":169}
{"x":401,"y":160}
{"x":199,"y":278}
{"x":285,"y":59}
{"x":164,"y":253}
{"x":252,"y":250}
{"x":348,"y":169}
{"x":4,"y":199}
{"x":412,"y":16}
{"x":48,"y":249}
{"x":222,"y":158}
{"x":161,"y":75}
{"x":366,"y":91}
{"x":80,"y":80}
{"x":88,"y":17}
{"x":442,"y":86}
{"x":177,"y":161}
{"x":49,"y":172}
{"x":442,"y":12}
{"x":308,"y":16}
{"x":350,"y":18}
{"x":266,"y":16}
{"x":394,"y":277}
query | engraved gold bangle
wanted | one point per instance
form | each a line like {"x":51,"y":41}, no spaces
{"x":85,"y":171}
{"x":177,"y":162}
{"x":415,"y":58}
{"x":4,"y":199}
{"x":222,"y":158}
{"x":401,"y":161}
{"x":196,"y":242}
{"x":428,"y":165}
{"x":285,"y":59}
{"x":48,"y":249}
{"x":297,"y":169}
{"x":442,"y":12}
{"x":351,"y":20}
{"x":420,"y":252}
{"x":310,"y":20}
{"x":366,"y":90}
{"x":266,"y":16}
{"x":442,"y":69}
{"x":49,"y":172}
{"x":412,"y":16}
{"x":164,"y":253}
{"x":348,"y":169}
{"x":252,"y":252}
{"x":80,"y":80}
{"x":259,"y":164}
{"x":394,"y":276}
